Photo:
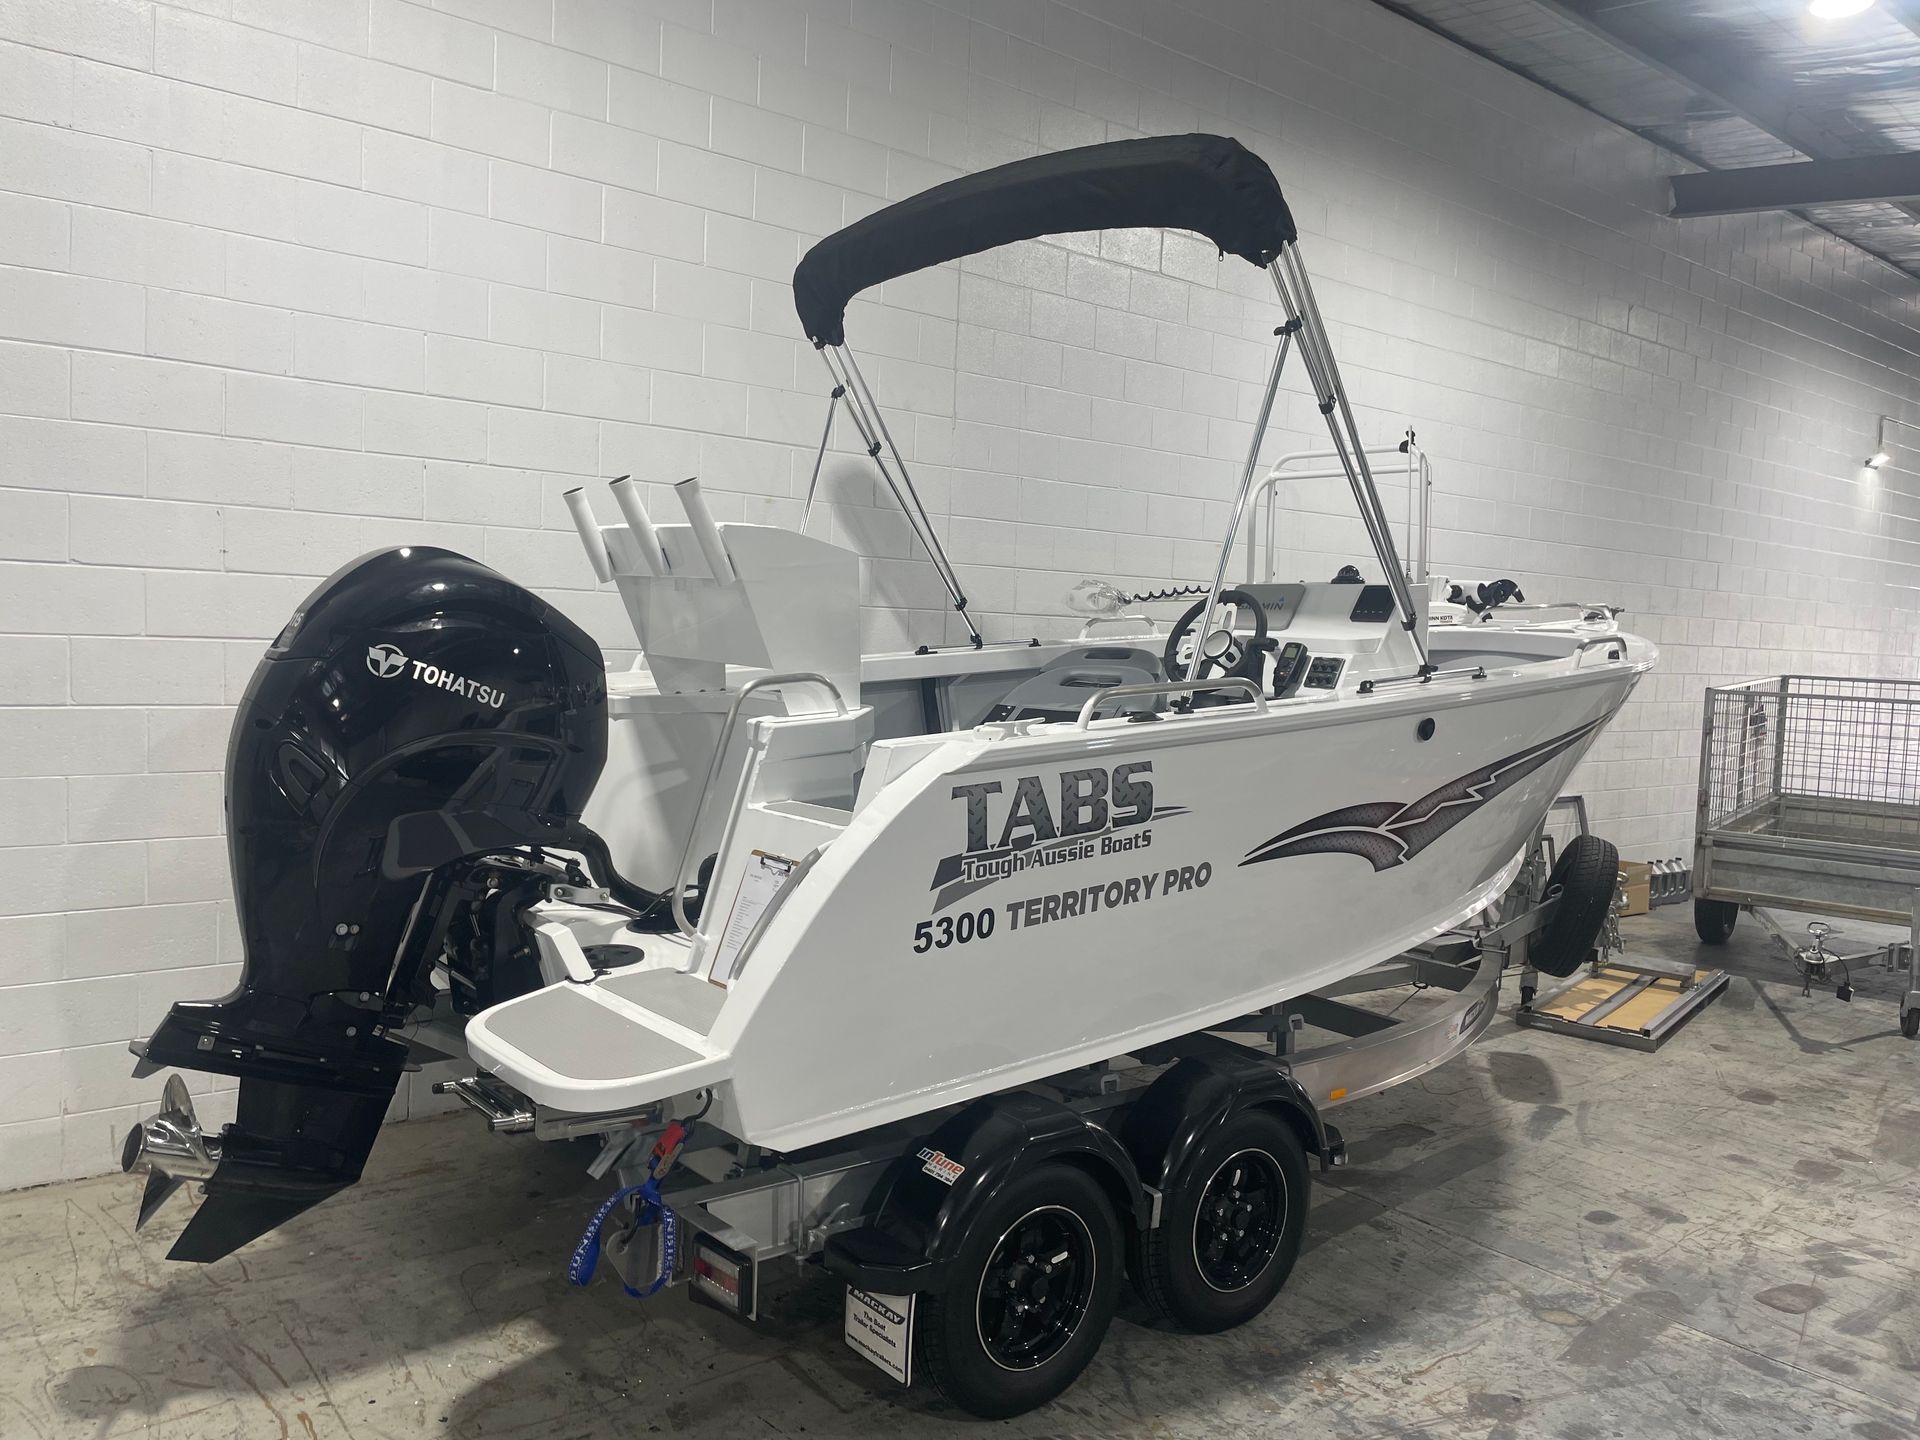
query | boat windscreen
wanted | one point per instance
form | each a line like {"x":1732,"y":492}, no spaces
{"x":1205,"y":183}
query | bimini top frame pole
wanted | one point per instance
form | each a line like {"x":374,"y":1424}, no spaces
{"x":1304,"y":321}
{"x":1205,"y":632}
{"x":1296,"y":294}
{"x":1204,"y":183}
{"x":850,"y":384}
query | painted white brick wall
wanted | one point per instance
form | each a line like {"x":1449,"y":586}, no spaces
{"x":281,"y":283}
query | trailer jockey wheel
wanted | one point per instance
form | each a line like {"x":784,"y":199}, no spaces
{"x":1586,"y":876}
{"x":1231,"y":1228}
{"x":1713,"y":920}
{"x":1027,"y":1300}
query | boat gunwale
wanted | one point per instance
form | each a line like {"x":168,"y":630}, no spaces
{"x":1047,"y":741}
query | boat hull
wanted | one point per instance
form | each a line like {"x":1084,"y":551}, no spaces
{"x":1017,"y":905}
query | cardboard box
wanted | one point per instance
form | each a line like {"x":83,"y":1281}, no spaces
{"x":1636,"y":887}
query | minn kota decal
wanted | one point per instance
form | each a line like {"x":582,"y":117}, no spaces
{"x":1386,"y":833}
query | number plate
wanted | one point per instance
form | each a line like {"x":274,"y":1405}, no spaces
{"x":880,"y":1327}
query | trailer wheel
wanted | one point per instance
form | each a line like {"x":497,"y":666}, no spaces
{"x":1027,"y":1300}
{"x":1232,"y":1227}
{"x":1910,"y":1024}
{"x":1713,"y":920}
{"x":1586,"y":875}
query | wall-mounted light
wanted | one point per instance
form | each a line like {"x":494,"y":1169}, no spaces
{"x":1882,"y":455}
{"x":1838,"y":9}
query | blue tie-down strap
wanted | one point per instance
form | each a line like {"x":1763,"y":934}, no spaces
{"x":651,"y":1210}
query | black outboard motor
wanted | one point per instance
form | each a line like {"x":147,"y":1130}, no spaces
{"x":417,"y":711}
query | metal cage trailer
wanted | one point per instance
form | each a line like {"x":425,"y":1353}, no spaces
{"x":983,"y":1247}
{"x":1810,"y":800}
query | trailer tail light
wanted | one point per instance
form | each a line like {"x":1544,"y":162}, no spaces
{"x":723,"y":1278}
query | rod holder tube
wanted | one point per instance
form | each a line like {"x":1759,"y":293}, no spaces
{"x":591,"y":539}
{"x":704,"y":530}
{"x":626,"y":495}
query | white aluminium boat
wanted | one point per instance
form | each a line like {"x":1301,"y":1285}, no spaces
{"x":804,"y":893}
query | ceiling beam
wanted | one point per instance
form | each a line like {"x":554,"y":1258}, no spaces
{"x":1762,"y":100}
{"x":1753,"y":96}
{"x":1907,"y":12}
{"x":1788,"y":187}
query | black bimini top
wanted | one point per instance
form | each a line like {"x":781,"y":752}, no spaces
{"x":1205,"y":183}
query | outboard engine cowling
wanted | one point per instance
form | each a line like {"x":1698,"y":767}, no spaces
{"x":417,"y":710}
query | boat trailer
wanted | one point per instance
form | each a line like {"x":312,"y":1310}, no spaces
{"x":694,"y":1207}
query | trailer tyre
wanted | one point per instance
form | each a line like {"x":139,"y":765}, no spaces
{"x":1027,"y":1300}
{"x":1713,"y":920}
{"x":1232,"y":1227}
{"x":1585,"y":875}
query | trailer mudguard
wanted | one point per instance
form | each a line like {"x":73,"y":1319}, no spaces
{"x":942,"y":1185}
{"x":419,"y":709}
{"x":1200,"y":1093}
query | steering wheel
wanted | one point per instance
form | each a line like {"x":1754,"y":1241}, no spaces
{"x":1221,"y":652}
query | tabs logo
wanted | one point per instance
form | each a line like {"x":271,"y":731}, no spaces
{"x":387,"y":661}
{"x":1081,"y":814}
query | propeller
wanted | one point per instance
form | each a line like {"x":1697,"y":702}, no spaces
{"x":170,"y":1147}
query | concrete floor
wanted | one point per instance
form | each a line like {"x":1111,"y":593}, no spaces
{"x":1548,"y":1237}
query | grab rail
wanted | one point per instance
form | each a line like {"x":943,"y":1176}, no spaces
{"x":803,"y":677}
{"x":1278,"y":474}
{"x":1592,"y":642}
{"x":1171,"y":687}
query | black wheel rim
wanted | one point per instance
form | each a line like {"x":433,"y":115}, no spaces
{"x":1036,"y":1288}
{"x":1236,"y":1231}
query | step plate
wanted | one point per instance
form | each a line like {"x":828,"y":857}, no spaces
{"x":572,"y":1034}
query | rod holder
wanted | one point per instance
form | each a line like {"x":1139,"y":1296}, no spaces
{"x":626,"y":495}
{"x":704,"y":530}
{"x":590,"y":536}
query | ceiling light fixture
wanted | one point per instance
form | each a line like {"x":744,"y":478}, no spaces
{"x":1838,"y":9}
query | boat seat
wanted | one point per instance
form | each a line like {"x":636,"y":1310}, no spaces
{"x":623,"y":1040}
{"x":1058,"y":691}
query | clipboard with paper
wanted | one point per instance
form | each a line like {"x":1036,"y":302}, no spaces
{"x":766,"y":874}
